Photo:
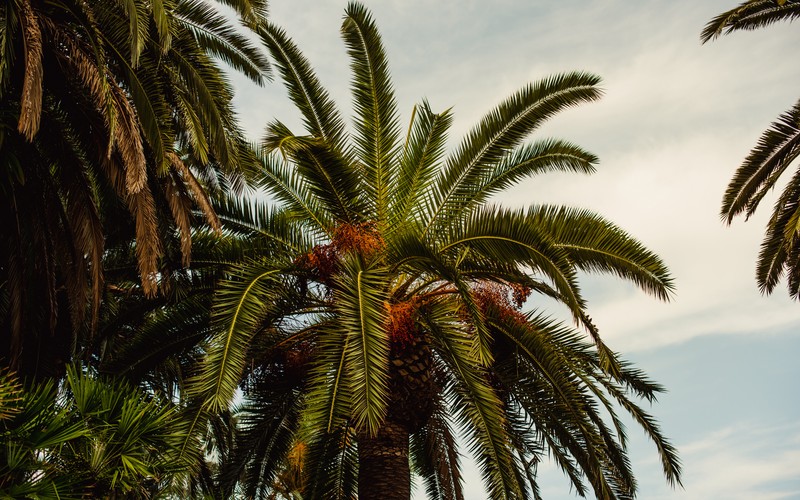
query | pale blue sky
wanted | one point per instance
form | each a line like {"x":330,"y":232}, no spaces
{"x":676,"y":120}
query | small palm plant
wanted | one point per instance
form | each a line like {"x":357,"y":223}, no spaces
{"x":386,"y":316}
{"x":92,"y":437}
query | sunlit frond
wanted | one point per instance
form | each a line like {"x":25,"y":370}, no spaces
{"x":377,"y":129}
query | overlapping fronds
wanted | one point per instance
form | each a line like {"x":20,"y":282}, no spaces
{"x":423,"y":151}
{"x":504,"y":234}
{"x":215,"y":35}
{"x":404,"y":324}
{"x":595,"y":244}
{"x":92,"y":437}
{"x":247,"y":300}
{"x":776,"y":150}
{"x":499,"y":132}
{"x":435,"y":458}
{"x":119,"y":110}
{"x":475,"y":406}
{"x":326,"y":173}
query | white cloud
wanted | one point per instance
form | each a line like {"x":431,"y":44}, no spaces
{"x":741,"y":461}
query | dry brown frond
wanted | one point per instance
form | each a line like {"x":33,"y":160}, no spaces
{"x":31,"y":98}
{"x":118,"y":114}
{"x":89,"y":239}
{"x":148,"y":244}
{"x":181,"y":207}
{"x":198,"y":193}
{"x":128,"y":139}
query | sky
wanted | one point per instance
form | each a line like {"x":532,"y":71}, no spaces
{"x":676,"y":120}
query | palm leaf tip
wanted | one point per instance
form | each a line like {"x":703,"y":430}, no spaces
{"x":750,"y":15}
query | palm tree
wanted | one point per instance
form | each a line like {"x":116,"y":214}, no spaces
{"x":386,"y":315}
{"x":115,"y":120}
{"x":775,"y":151}
{"x":101,"y":439}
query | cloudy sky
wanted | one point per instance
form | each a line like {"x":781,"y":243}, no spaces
{"x":675,"y":121}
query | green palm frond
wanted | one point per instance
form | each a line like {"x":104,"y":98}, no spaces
{"x":777,"y":148}
{"x":475,"y":406}
{"x":434,"y":454}
{"x":137,"y":33}
{"x":332,"y":465}
{"x":360,"y":313}
{"x":257,"y":223}
{"x":779,"y":247}
{"x":500,"y":132}
{"x":325,"y":172}
{"x":533,"y":159}
{"x":424,"y":148}
{"x":377,"y":129}
{"x":243,"y":303}
{"x":166,"y":332}
{"x":253,"y":12}
{"x":280,"y":179}
{"x":214,"y":34}
{"x":329,"y":396}
{"x":751,"y":15}
{"x":595,"y":244}
{"x":504,"y":234}
{"x":320,"y":115}
{"x":268,"y":422}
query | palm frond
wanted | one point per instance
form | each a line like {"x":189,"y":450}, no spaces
{"x":281,"y":180}
{"x":361,"y":314}
{"x":319,"y":112}
{"x":500,"y":132}
{"x":434,"y":454}
{"x":424,"y":148}
{"x":327,"y":173}
{"x":498,"y":233}
{"x":242,"y":304}
{"x":332,"y":465}
{"x":214,"y":33}
{"x":377,"y":129}
{"x":31,"y":97}
{"x":549,"y":155}
{"x":780,"y":240}
{"x":751,"y":15}
{"x":777,"y":148}
{"x":595,"y":244}
{"x":475,"y":404}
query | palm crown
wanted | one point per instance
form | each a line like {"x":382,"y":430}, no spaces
{"x":388,"y":305}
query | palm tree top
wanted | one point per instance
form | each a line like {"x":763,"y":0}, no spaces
{"x":390,"y":304}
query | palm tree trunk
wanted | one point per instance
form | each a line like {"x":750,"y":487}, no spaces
{"x":383,"y":471}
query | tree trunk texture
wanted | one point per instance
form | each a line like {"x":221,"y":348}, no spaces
{"x":383,"y":470}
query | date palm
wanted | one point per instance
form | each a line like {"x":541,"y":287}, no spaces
{"x":386,"y":315}
{"x":776,"y":150}
{"x":115,"y":118}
